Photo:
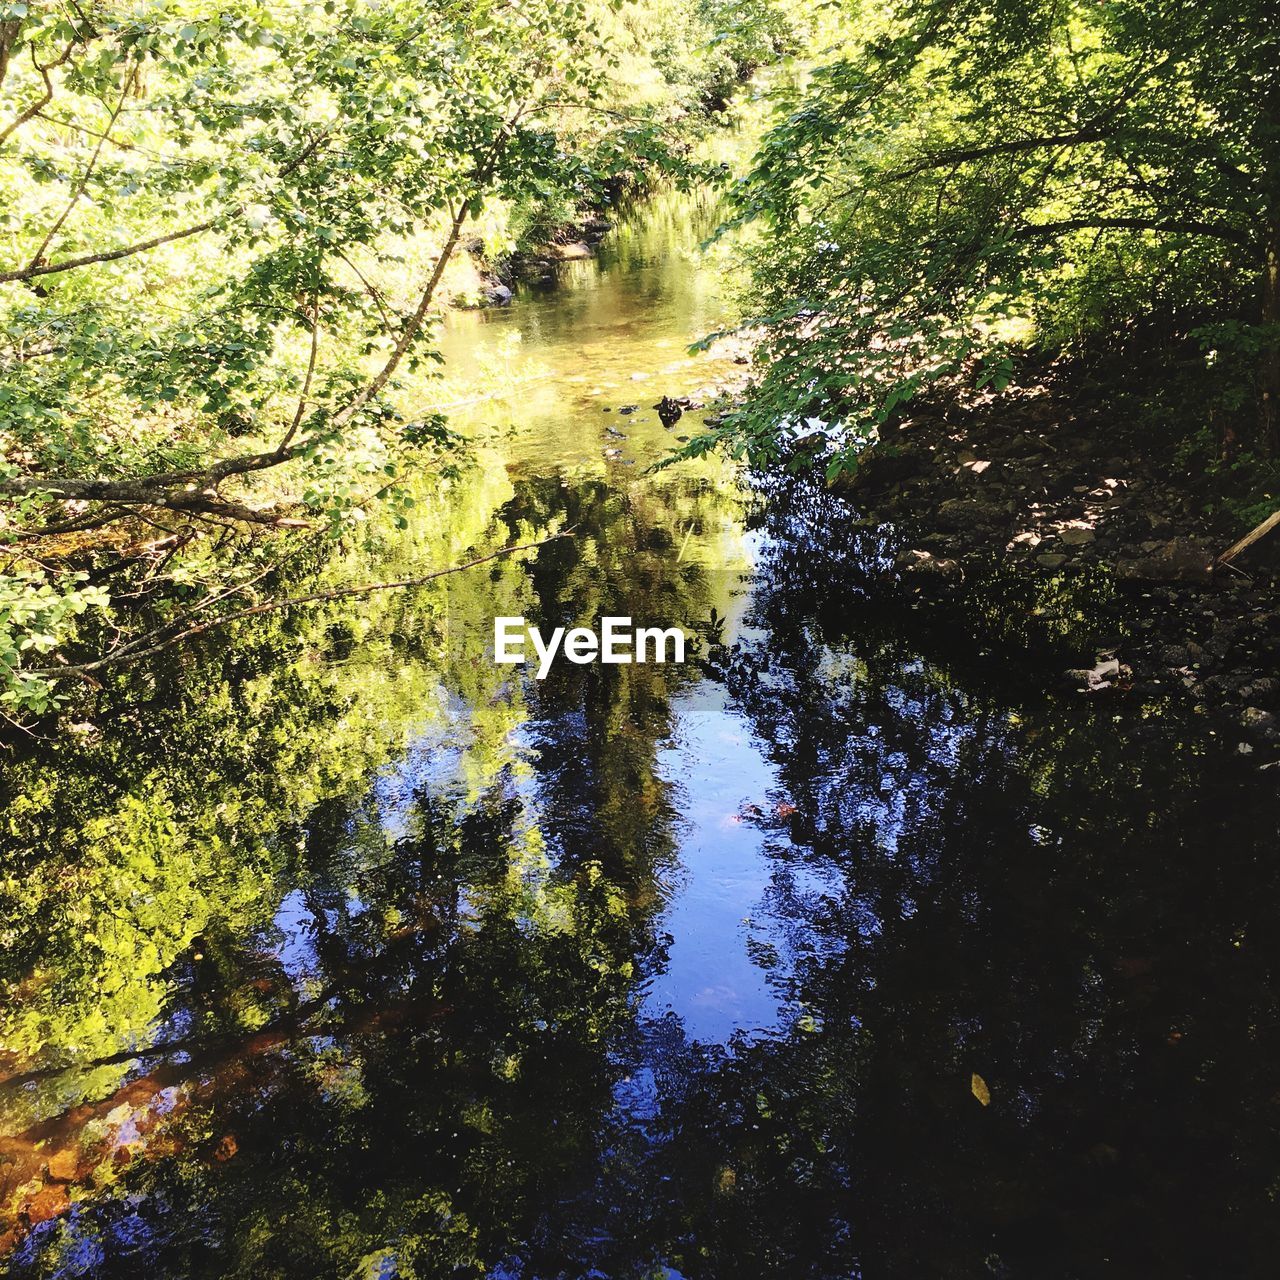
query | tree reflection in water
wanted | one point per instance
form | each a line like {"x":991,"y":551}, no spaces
{"x":273,"y":1010}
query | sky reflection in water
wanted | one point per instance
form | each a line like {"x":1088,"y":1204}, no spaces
{"x":362,"y":958}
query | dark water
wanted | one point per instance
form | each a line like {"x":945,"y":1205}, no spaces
{"x":852,"y":948}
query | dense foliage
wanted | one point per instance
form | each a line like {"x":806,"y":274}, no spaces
{"x":960,"y":182}
{"x":225,"y":231}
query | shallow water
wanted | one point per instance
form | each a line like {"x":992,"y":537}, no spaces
{"x":849,"y":948}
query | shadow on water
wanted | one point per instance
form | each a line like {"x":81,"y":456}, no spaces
{"x":832,"y":953}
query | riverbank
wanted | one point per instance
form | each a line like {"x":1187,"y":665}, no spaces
{"x":1029,"y":497}
{"x":493,"y":281}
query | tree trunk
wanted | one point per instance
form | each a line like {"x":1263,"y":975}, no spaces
{"x":1269,"y":371}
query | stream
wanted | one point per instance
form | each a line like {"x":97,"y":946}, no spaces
{"x":851,"y":947}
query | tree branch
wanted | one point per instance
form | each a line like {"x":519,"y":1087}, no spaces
{"x":411,"y":329}
{"x":133,"y":654}
{"x":484,"y":172}
{"x":44,"y":69}
{"x":196,"y":490}
{"x":306,"y":382}
{"x":954,"y":156}
{"x":9,"y":32}
{"x":127,"y":251}
{"x":1254,"y":535}
{"x":110,"y":255}
{"x":371,"y":290}
{"x":83,"y":184}
{"x":1188,"y":226}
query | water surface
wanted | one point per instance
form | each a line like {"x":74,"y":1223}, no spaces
{"x":842,"y":950}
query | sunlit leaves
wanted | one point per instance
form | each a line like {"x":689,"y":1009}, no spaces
{"x":35,"y":617}
{"x":963,"y":180}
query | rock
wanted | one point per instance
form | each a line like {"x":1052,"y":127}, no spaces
{"x":1257,"y":718}
{"x":881,"y":466}
{"x":500,"y":295}
{"x":1262,"y":689}
{"x":669,"y":411}
{"x":574,"y":251}
{"x":45,"y":1204}
{"x":1099,"y":676}
{"x":964,"y":513}
{"x":1075,"y":536}
{"x":923,"y":564}
{"x":1178,"y":560}
{"x":63,"y":1166}
{"x":629,"y":408}
{"x":1051,"y":560}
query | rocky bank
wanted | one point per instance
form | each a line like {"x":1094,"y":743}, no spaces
{"x":1027,"y":492}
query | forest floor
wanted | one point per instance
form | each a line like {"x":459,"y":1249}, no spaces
{"x":1044,"y":497}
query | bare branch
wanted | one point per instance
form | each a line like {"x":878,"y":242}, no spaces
{"x":110,"y":255}
{"x":83,"y":183}
{"x":283,"y":446}
{"x":1254,"y":535}
{"x":44,"y":68}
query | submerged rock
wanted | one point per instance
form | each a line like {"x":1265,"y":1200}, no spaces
{"x":879,"y":466}
{"x":924,"y":564}
{"x":1102,"y":675}
{"x":669,"y":411}
{"x":1077,"y":536}
{"x":1178,"y":560}
{"x":965,"y":513}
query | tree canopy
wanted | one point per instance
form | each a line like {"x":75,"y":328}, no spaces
{"x":963,"y":181}
{"x":225,"y":232}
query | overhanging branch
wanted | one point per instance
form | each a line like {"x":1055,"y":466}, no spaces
{"x":138,"y":650}
{"x":1174,"y":226}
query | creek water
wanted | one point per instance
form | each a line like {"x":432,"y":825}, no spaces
{"x":857,"y":945}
